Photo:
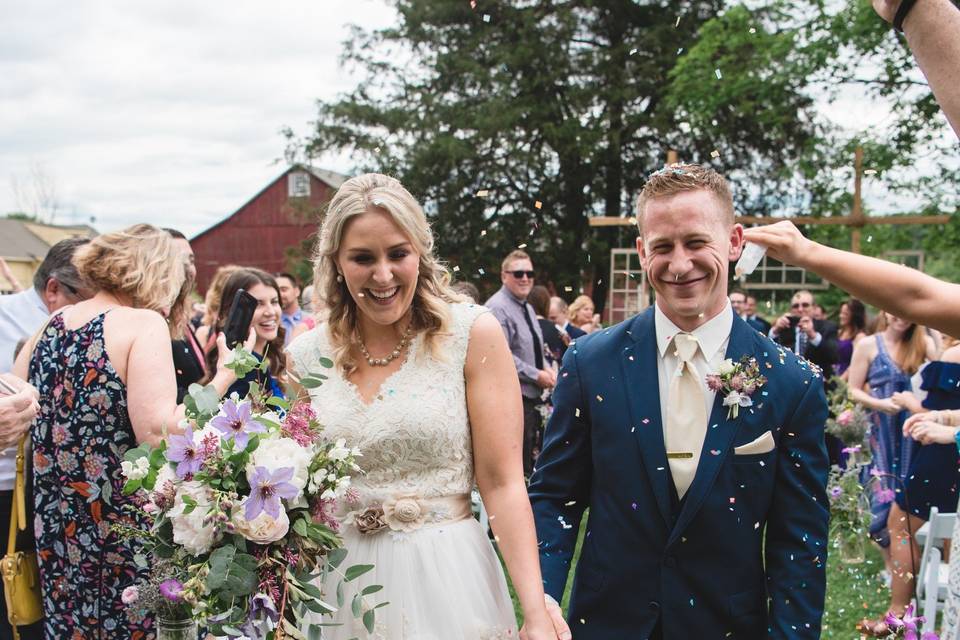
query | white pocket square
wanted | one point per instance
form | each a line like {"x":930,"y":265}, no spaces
{"x":763,"y":444}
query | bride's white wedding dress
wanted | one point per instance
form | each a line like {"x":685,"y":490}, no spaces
{"x":411,"y":518}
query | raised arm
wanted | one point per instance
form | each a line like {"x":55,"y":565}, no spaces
{"x":496,"y":422}
{"x":904,"y":292}
{"x":796,"y":542}
{"x":931,"y":28}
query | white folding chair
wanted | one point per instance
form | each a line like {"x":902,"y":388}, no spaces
{"x":933,"y":576}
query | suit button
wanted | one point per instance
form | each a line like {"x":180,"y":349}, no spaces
{"x":670,"y":562}
{"x":654,"y":606}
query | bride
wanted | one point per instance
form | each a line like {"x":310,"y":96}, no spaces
{"x":425,"y":386}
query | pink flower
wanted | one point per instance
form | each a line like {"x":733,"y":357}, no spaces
{"x":886,"y":495}
{"x":845,"y":418}
{"x":151,"y":508}
{"x":714,"y":382}
{"x":129,"y":595}
{"x":737,"y":382}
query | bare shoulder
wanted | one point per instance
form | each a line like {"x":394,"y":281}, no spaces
{"x":485,"y":329}
{"x":137,"y":324}
{"x":952,"y":354}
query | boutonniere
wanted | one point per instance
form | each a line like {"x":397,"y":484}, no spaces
{"x":737,"y":381}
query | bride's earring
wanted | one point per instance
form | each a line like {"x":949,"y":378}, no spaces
{"x":339,"y":277}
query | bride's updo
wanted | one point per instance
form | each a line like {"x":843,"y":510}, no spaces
{"x":355,"y":197}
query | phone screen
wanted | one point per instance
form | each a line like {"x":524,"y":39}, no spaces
{"x":239,"y":318}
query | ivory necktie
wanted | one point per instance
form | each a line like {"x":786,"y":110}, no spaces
{"x":686,"y":415}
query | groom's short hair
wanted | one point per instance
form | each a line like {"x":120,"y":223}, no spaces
{"x":680,"y":177}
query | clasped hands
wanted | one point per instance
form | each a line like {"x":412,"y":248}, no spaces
{"x":932,"y":427}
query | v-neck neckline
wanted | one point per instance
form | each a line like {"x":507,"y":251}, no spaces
{"x":378,"y":394}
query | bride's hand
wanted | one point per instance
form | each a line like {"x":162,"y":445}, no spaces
{"x":555,"y":627}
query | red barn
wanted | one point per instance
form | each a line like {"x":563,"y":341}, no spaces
{"x":284,"y":214}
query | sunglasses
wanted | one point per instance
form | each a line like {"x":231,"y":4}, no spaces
{"x":800,"y":305}
{"x":520,"y":274}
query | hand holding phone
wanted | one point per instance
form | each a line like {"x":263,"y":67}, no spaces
{"x":237,"y":327}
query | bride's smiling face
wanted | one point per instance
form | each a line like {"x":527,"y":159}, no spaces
{"x":380,"y":266}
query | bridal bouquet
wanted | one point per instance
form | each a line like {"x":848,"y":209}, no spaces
{"x":241,"y":506}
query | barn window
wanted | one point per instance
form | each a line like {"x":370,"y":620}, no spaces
{"x":298,"y":185}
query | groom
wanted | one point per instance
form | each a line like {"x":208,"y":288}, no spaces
{"x":699,"y":527}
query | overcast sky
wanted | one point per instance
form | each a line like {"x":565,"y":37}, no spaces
{"x":169,"y":112}
{"x":166,"y":112}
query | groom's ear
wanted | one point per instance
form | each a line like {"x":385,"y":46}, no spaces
{"x":736,"y":242}
{"x":643,"y":254}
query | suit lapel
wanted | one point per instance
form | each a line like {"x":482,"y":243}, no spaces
{"x":642,"y":389}
{"x":720,"y":435}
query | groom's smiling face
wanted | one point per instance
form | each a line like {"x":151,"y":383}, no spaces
{"x":686,"y":246}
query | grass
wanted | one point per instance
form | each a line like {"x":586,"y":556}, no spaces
{"x":854,"y":591}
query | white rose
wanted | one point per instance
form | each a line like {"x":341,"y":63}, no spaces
{"x":276,"y":453}
{"x":135,"y":470}
{"x":726,"y":367}
{"x":263,"y":529}
{"x":340,"y":450}
{"x":188,"y":528}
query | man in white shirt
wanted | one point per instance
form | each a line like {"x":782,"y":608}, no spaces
{"x":697,"y":445}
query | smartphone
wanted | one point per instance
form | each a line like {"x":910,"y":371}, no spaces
{"x":794,"y":321}
{"x":238,"y":320}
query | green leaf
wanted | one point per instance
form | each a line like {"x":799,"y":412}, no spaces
{"x":356,"y":571}
{"x":300,"y":527}
{"x":335,"y":557}
{"x":368,"y":620}
{"x":131,"y":487}
{"x":132,"y":455}
{"x":326,"y":362}
{"x":356,"y":605}
{"x":340,"y":597}
{"x":151,"y":478}
{"x":157,"y":456}
{"x":310,"y":382}
{"x":373,"y":588}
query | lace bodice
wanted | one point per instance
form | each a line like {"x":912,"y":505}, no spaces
{"x":414,"y":436}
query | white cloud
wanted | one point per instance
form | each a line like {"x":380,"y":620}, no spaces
{"x":164,"y":112}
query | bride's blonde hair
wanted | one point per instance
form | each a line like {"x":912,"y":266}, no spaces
{"x":377,"y":192}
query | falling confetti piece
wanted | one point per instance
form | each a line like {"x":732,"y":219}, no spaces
{"x":714,"y":154}
{"x":599,"y":398}
{"x":483,"y":193}
{"x":753,"y":30}
{"x":577,"y":412}
{"x":677,"y":23}
{"x":570,"y":504}
{"x":486,"y":17}
{"x":756,"y":525}
{"x":456,"y":268}
{"x":680,"y":50}
{"x":870,"y":172}
{"x":483,"y":233}
{"x":715,"y":452}
{"x":568,"y":289}
{"x":537,"y":205}
{"x":719,"y":75}
{"x":632,"y":51}
{"x":522,"y":246}
{"x":481,"y":271}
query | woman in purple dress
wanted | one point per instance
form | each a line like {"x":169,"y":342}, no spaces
{"x":853,"y":328}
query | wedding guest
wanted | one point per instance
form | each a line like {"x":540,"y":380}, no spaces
{"x":817,"y":312}
{"x":212,"y":301}
{"x":931,"y":481}
{"x":509,"y":306}
{"x":558,"y":316}
{"x":425,"y":384}
{"x":306,"y":299}
{"x":104,"y":371}
{"x":265,"y":326}
{"x":56,"y":284}
{"x":467,"y":289}
{"x":853,"y":327}
{"x":292,"y":314}
{"x":756,"y":321}
{"x":554,"y":345}
{"x":885,"y":365}
{"x":581,"y":313}
{"x":188,"y":357}
{"x":931,"y":29}
{"x":738,"y":302}
{"x":815,"y":340}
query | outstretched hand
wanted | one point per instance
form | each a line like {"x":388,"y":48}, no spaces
{"x":783,"y":241}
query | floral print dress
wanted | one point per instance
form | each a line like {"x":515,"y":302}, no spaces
{"x":79,"y":439}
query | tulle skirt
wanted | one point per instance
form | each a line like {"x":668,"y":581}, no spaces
{"x":442,"y":582}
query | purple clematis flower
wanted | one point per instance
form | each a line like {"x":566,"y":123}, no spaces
{"x":182,"y":450}
{"x":171,"y":589}
{"x":235,"y":420}
{"x":266,"y":489}
{"x":262,"y":619}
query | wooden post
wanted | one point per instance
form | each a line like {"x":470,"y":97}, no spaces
{"x":858,"y":219}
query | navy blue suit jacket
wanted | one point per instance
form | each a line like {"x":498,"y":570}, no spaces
{"x":701,"y":567}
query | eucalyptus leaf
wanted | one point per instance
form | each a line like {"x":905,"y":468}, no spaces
{"x":356,"y":571}
{"x":373,"y":588}
{"x":356,"y":606}
{"x":326,"y":362}
{"x":368,"y":620}
{"x":335,"y":557}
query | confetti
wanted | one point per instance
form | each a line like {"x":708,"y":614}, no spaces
{"x":456,"y":269}
{"x":522,"y":246}
{"x":719,"y":75}
{"x":633,"y":51}
{"x":753,"y":29}
{"x":870,"y":172}
{"x":486,"y":17}
{"x":483,"y":193}
{"x":677,"y":23}
{"x":570,"y":504}
{"x":714,"y":154}
{"x":483,"y":233}
{"x":538,"y":205}
{"x":481,"y":271}
{"x":680,"y":50}
{"x":568,"y":289}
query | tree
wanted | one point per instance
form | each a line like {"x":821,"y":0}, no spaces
{"x":514,"y":122}
{"x":37,"y":196}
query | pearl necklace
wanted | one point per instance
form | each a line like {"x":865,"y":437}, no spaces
{"x":393,"y":355}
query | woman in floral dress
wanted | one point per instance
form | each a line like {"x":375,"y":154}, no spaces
{"x":104,"y":370}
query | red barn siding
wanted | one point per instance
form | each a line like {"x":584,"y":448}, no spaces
{"x":258,"y":234}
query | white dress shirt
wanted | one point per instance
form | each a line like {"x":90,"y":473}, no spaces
{"x":713,"y":335}
{"x":21,"y":315}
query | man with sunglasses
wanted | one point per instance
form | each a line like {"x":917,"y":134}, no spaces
{"x":522,"y":329}
{"x":815,"y":340}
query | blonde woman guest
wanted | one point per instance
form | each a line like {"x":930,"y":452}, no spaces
{"x":581,"y":314}
{"x":104,"y":371}
{"x":885,"y":364}
{"x":424,"y":385}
